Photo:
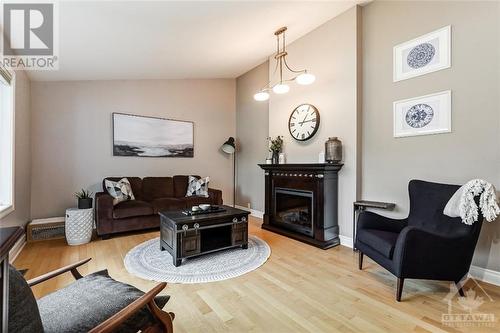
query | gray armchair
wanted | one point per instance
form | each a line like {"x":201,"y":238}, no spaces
{"x":94,"y":303}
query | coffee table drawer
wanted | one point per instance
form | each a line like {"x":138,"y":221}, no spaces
{"x":190,"y":244}
{"x":239,"y":234}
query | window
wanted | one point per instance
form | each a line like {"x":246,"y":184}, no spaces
{"x":6,"y":143}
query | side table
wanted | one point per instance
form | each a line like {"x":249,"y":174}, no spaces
{"x":361,"y":205}
{"x":79,"y":225}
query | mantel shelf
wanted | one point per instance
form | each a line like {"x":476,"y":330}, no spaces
{"x":303,"y":166}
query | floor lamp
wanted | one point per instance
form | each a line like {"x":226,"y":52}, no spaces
{"x":229,"y":147}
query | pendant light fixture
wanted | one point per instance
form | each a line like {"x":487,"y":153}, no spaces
{"x":302,"y":77}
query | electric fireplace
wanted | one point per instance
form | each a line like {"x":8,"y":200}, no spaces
{"x":301,"y":202}
{"x":294,"y":209}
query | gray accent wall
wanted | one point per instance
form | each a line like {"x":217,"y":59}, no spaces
{"x":72,"y":134}
{"x":472,"y":149}
{"x":252,"y":130}
{"x":22,"y":154}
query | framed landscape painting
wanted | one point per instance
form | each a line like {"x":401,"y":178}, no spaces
{"x":422,"y":55}
{"x":429,"y":114}
{"x":152,"y":137}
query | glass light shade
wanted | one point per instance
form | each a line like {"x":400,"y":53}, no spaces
{"x":261,"y":96}
{"x":305,"y":78}
{"x":281,"y":88}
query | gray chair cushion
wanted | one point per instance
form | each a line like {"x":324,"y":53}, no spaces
{"x":91,"y":300}
{"x":24,"y":316}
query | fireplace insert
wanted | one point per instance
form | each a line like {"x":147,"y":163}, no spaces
{"x":294,"y":210}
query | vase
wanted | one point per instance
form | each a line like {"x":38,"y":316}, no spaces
{"x":275,"y":157}
{"x":333,"y":150}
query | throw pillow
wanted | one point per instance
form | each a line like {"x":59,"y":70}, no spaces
{"x":198,"y":187}
{"x":120,"y":190}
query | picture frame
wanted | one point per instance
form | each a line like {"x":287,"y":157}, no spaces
{"x":422,"y":55}
{"x":422,"y":115}
{"x":145,"y":136}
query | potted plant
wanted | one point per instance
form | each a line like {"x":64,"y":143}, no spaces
{"x":276,"y":148}
{"x":84,"y":199}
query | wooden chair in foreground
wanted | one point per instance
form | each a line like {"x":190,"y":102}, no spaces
{"x":95,"y":303}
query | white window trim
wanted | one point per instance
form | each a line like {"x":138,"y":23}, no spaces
{"x":8,"y":209}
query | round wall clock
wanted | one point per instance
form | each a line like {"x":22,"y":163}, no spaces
{"x":304,"y":122}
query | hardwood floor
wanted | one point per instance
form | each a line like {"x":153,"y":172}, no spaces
{"x":299,"y":289}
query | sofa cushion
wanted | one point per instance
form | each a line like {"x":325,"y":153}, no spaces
{"x":135,"y":183}
{"x":89,"y":301}
{"x":24,"y":316}
{"x":157,"y":187}
{"x":167,"y":204}
{"x":379,"y":240}
{"x":132,"y":208}
{"x":180,"y":186}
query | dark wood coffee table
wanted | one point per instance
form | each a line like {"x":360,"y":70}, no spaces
{"x":186,"y":236}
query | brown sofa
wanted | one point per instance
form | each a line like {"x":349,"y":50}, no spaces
{"x":152,"y":195}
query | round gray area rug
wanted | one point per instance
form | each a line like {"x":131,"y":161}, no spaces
{"x":148,"y":262}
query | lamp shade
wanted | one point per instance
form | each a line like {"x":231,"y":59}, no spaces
{"x":281,"y":88}
{"x":305,"y":79}
{"x":261,"y":96}
{"x":229,"y":146}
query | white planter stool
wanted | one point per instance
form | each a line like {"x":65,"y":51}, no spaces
{"x":79,"y":225}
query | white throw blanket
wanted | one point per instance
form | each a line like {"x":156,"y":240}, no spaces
{"x":462,"y":203}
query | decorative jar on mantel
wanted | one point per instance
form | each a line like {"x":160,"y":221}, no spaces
{"x":333,"y":150}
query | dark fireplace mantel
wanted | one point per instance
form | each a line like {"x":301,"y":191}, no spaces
{"x":301,"y":202}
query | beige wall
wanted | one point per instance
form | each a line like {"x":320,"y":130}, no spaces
{"x":472,"y":149}
{"x":22,"y":168}
{"x":330,"y":52}
{"x":252,"y":130}
{"x":72,"y":134}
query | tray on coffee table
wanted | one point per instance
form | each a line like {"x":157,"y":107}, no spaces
{"x":211,"y":210}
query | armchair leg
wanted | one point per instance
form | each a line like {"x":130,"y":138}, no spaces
{"x":360,"y":260}
{"x":399,"y":289}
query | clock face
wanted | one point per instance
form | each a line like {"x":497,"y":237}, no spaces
{"x":303,"y":122}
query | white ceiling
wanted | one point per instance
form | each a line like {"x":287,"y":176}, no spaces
{"x":105,"y":40}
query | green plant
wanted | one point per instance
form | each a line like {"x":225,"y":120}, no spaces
{"x":276,"y":144}
{"x":82,"y":194}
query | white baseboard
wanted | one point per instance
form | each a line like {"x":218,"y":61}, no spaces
{"x":346,"y":241}
{"x":485,"y":275}
{"x":17,"y":248}
{"x":253,"y":212}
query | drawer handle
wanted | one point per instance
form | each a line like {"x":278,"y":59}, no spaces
{"x":185,"y":228}
{"x":243,"y":219}
{"x":196,"y":227}
{"x":235,"y":220}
